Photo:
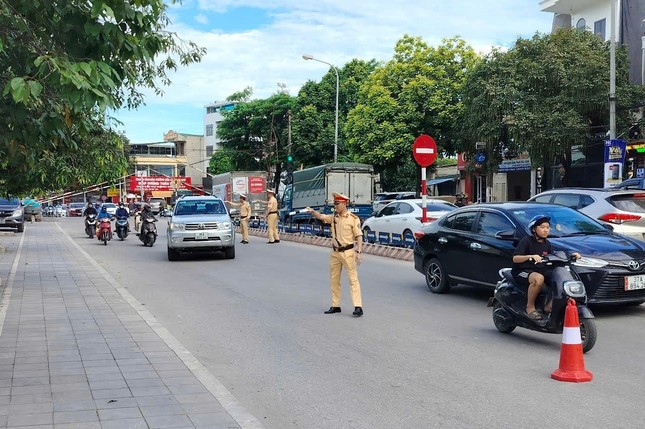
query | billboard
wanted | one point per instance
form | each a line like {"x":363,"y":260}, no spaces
{"x":159,"y":183}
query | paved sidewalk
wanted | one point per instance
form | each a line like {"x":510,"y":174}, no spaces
{"x":78,"y":351}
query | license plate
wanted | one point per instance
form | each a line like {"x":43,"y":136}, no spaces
{"x":201,"y":236}
{"x":635,"y":282}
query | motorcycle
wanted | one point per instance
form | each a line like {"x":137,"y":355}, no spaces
{"x":90,"y":225}
{"x":509,"y":302}
{"x":122,"y":227}
{"x":148,"y":233}
{"x":105,"y":230}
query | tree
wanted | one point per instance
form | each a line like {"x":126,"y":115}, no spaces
{"x":543,"y":96}
{"x":255,"y":133}
{"x":314,"y":119}
{"x":222,"y":161}
{"x":417,"y":92}
{"x":63,"y":65}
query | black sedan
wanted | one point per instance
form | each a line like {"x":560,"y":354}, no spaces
{"x":470,"y":245}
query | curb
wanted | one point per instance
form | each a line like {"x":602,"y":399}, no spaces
{"x":391,"y":252}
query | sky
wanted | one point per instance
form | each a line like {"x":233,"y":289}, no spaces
{"x":260,"y":43}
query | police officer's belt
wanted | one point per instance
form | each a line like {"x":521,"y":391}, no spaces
{"x":243,"y":217}
{"x":273,"y":212}
{"x":343,"y":248}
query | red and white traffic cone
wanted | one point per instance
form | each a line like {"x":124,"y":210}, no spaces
{"x":572,"y":364}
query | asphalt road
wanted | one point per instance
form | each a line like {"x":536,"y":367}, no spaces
{"x":414,"y":360}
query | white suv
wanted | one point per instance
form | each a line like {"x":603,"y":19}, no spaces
{"x":200,"y":224}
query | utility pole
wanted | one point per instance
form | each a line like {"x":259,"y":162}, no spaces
{"x":612,"y":72}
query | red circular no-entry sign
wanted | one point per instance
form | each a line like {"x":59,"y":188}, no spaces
{"x":424,"y":150}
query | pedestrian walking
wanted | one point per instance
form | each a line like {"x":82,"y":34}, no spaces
{"x":272,"y":217}
{"x":347,"y":247}
{"x":245,"y":214}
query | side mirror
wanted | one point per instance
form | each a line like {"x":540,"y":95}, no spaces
{"x":609,"y":227}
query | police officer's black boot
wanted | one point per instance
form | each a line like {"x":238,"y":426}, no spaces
{"x":358,"y":311}
{"x":333,"y":310}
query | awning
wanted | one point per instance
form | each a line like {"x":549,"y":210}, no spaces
{"x":162,"y":194}
{"x":439,"y":180}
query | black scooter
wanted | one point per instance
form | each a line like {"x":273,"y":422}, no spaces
{"x":148,"y":234}
{"x":509,"y":302}
{"x":90,"y":225}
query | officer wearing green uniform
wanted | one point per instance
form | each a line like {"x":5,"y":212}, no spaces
{"x":347,"y":247}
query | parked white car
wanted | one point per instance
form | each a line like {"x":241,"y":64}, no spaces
{"x":404,"y":216}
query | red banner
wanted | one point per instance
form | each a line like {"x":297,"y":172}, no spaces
{"x":257,"y":185}
{"x":159,"y":183}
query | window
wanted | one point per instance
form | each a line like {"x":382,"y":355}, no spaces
{"x":581,"y":24}
{"x":209,"y":151}
{"x":569,"y":200}
{"x":209,"y":129}
{"x":543,"y":198}
{"x":461,"y":221}
{"x":404,"y":208}
{"x":599,"y":28}
{"x":388,"y":210}
{"x":492,"y":223}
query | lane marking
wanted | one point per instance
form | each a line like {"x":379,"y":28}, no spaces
{"x":232,"y":406}
{"x":6,"y":292}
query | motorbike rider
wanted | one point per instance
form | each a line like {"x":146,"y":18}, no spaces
{"x":89,"y":210}
{"x":146,"y":214}
{"x":527,"y":270}
{"x":122,"y":212}
{"x":103,"y":214}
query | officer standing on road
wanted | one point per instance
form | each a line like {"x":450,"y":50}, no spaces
{"x":245,"y":214}
{"x":272,"y":217}
{"x":347,"y":243}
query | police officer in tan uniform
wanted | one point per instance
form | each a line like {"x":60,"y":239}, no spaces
{"x":245,"y":214}
{"x":347,"y":243}
{"x":272,"y":217}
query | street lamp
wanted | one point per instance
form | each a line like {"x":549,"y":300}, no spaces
{"x":310,"y":57}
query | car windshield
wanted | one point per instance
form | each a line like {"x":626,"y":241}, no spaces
{"x":438,"y":206}
{"x":10,"y":202}
{"x":76,"y":205}
{"x":564,"y":221}
{"x":634,"y":203}
{"x":199,"y":207}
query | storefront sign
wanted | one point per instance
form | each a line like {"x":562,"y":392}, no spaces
{"x":614,"y":160}
{"x":514,"y":165}
{"x":159,"y":183}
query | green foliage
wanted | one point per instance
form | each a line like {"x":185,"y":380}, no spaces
{"x":255,"y":134}
{"x":544,"y":95}
{"x":222,"y":161}
{"x":63,"y":64}
{"x":417,"y":92}
{"x":314,"y":116}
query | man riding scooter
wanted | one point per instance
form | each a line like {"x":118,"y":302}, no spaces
{"x":527,"y":268}
{"x":122,"y":224}
{"x":90,"y":224}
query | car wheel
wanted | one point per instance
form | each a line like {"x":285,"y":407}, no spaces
{"x":21,"y":228}
{"x":436,"y":277}
{"x":172,"y":255}
{"x":229,"y":252}
{"x":588,"y":334}
{"x":500,"y":318}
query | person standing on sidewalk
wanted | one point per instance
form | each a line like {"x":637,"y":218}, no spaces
{"x":272,"y":217}
{"x":245,"y":214}
{"x":347,"y":243}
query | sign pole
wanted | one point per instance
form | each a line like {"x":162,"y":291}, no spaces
{"x":424,"y":191}
{"x":424,"y":151}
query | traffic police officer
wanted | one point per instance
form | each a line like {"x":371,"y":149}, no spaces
{"x":347,"y":243}
{"x":245,"y":214}
{"x":272,"y":217}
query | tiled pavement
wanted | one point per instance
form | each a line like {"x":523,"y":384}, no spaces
{"x":77,"y":351}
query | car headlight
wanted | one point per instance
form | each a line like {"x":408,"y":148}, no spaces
{"x":17,"y":212}
{"x":176,"y":226}
{"x":224,"y":225}
{"x":574,"y":288}
{"x":590,"y":262}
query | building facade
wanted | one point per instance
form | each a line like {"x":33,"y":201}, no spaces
{"x":212,"y":118}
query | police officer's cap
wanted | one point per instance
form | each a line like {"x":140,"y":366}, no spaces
{"x":271,"y":190}
{"x":243,"y":196}
{"x":340,"y":197}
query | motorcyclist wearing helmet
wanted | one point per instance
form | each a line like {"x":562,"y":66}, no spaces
{"x":89,"y":210}
{"x":122,"y":212}
{"x":103,"y":214}
{"x":145,"y":214}
{"x":527,"y":270}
